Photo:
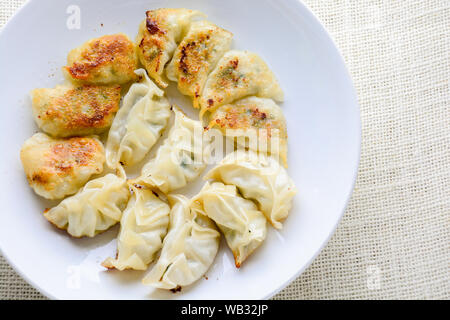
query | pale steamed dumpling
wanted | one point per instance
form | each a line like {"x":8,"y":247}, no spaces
{"x":181,"y":158}
{"x":138,"y":124}
{"x":240,"y":221}
{"x":188,"y":250}
{"x":142,"y":229}
{"x":260,"y":178}
{"x":94,"y":209}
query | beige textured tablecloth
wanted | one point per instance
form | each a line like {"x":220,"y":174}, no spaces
{"x":393,"y":242}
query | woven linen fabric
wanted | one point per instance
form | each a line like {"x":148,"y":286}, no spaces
{"x":393,"y":242}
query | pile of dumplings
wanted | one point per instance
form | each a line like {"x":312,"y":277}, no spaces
{"x":86,"y":123}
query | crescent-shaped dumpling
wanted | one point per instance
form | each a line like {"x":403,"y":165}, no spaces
{"x":142,"y":229}
{"x":181,"y":158}
{"x":196,"y":57}
{"x":240,"y":221}
{"x":56,"y":168}
{"x":257,"y":123}
{"x":139,"y":123}
{"x":188,"y":250}
{"x":94,"y":209}
{"x":259,"y":178}
{"x":239,"y":74}
{"x":158,"y":37}
{"x":110,"y":59}
{"x":75,"y":110}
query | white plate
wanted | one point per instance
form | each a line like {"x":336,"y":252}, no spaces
{"x":324,"y":131}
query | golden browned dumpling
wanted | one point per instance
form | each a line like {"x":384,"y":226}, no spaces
{"x":69,"y":110}
{"x":196,"y":57}
{"x":110,"y":59}
{"x":254,"y":118}
{"x":56,"y":168}
{"x":158,"y":37}
{"x":239,"y":74}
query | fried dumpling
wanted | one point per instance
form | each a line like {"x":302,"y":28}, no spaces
{"x":94,"y":209}
{"x":259,"y":120}
{"x":182,"y":157}
{"x":196,"y":57}
{"x":188,"y":250}
{"x":56,"y":168}
{"x":239,"y":74}
{"x":138,"y":124}
{"x":260,"y":178}
{"x":240,"y":221}
{"x":75,"y":110}
{"x":158,"y":37}
{"x":143,"y":227}
{"x":110,"y":59}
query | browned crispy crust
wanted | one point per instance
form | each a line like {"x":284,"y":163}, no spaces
{"x":152,"y":24}
{"x":151,"y":45}
{"x":177,"y":289}
{"x":63,"y":158}
{"x":192,"y":61}
{"x":69,"y":111}
{"x":229,"y":77}
{"x":114,"y":49}
{"x":154,"y":40}
{"x":152,"y":50}
{"x":236,"y":262}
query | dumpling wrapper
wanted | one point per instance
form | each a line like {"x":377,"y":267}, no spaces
{"x":109,"y":59}
{"x":196,"y":57}
{"x":188,"y":250}
{"x":239,"y":74}
{"x":181,"y":158}
{"x":143,"y":227}
{"x":139,"y":123}
{"x":257,"y":123}
{"x":56,"y":168}
{"x":94,"y":209}
{"x":158,"y":37}
{"x":260,"y":178}
{"x":75,"y":110}
{"x":240,"y":221}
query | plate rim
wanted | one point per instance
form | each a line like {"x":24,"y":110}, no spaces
{"x":299,"y":5}
{"x":314,"y":18}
